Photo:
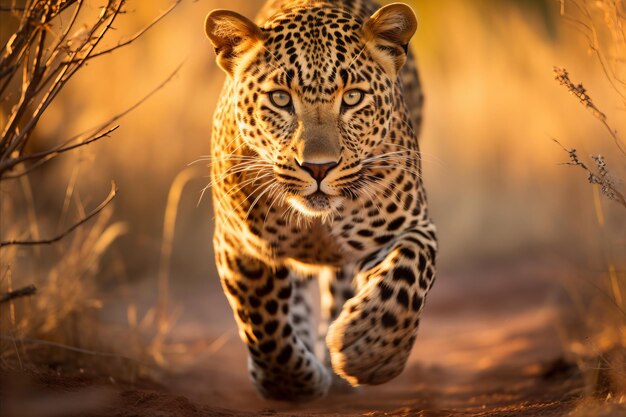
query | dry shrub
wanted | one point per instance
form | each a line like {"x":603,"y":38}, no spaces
{"x":49,"y":274}
{"x":598,"y":335}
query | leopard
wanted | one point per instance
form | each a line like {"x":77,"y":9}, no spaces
{"x":316,"y":176}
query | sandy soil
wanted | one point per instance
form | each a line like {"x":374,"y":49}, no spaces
{"x":488,"y":346}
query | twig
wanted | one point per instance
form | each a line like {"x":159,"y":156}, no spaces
{"x":51,"y":153}
{"x":21,"y":292}
{"x":134,"y":37}
{"x":70,"y":147}
{"x":69,"y":230}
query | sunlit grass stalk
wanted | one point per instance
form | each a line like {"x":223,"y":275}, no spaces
{"x":163,"y":313}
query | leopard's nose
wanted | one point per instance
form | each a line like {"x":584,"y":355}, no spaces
{"x":318,"y":171}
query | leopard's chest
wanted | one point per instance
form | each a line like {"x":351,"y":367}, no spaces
{"x":359,"y":229}
{"x":284,"y":235}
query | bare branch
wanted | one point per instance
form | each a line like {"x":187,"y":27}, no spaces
{"x":21,"y":292}
{"x":69,"y":230}
{"x":135,"y":36}
{"x":45,"y":156}
{"x":20,"y":139}
{"x":48,"y":76}
{"x":49,"y":154}
{"x":57,"y":48}
{"x":54,"y":152}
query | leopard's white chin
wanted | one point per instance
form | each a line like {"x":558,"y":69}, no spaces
{"x":316,"y":205}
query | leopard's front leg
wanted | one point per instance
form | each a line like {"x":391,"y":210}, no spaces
{"x":282,"y":365}
{"x":336,"y":287}
{"x":371,"y":339}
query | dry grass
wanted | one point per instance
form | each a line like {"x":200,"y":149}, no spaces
{"x":67,"y":298}
{"x":598,"y":342}
{"x":51,"y":286}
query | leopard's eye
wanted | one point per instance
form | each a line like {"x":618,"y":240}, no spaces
{"x":280,"y":98}
{"x":352,"y":97}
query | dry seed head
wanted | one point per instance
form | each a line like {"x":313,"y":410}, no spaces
{"x":578,"y":90}
{"x":601,"y":164}
{"x":598,"y":175}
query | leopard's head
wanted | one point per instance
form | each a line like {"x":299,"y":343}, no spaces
{"x":314,"y":94}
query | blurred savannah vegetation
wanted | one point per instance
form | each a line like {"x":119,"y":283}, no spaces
{"x":500,"y":188}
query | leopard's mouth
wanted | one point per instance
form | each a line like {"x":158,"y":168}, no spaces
{"x":317,"y":204}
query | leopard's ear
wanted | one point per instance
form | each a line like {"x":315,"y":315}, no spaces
{"x":231,"y":35}
{"x":389,"y":31}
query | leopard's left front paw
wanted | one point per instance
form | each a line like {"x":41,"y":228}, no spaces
{"x":370,"y":341}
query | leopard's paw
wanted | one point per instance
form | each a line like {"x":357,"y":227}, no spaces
{"x":370,"y":341}
{"x":310,"y":382}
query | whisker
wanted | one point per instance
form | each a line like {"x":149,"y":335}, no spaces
{"x":269,"y":188}
{"x":232,"y":211}
{"x":241,"y":185}
{"x":274,"y":198}
{"x":237,"y":187}
{"x":238,"y":168}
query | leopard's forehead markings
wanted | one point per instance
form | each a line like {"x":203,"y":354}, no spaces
{"x":316,"y":46}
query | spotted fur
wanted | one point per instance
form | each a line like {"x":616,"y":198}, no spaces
{"x":316,"y":173}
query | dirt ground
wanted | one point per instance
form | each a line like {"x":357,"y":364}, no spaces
{"x":489,"y":345}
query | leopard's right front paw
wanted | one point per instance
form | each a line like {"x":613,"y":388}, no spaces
{"x":312,"y":381}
